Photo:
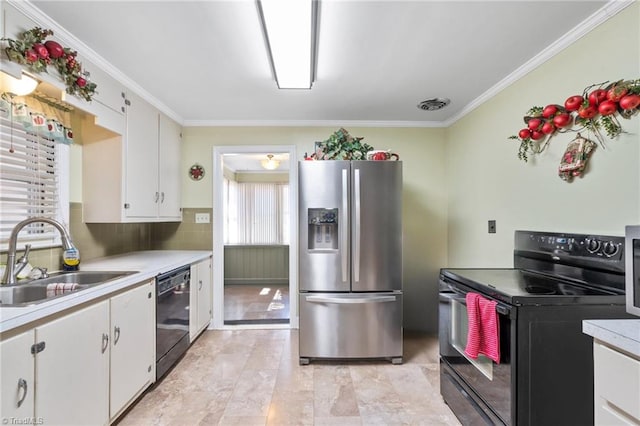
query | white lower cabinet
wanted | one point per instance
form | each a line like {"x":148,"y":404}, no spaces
{"x":200,"y":299}
{"x":616,"y":386}
{"x":72,"y":368}
{"x":132,"y":346}
{"x":85,"y":367}
{"x":17,"y":377}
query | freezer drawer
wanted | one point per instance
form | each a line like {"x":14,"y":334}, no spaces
{"x":351,"y":325}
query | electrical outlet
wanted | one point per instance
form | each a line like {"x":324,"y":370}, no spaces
{"x":492,"y":226}
{"x":202,"y":218}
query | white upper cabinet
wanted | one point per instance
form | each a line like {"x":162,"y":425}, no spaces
{"x":153,"y":144}
{"x":141,"y":159}
{"x":108,"y":103}
{"x":134,"y":177}
{"x":169,"y":182}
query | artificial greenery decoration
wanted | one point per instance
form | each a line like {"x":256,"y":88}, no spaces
{"x":342,"y":146}
{"x":36,"y":53}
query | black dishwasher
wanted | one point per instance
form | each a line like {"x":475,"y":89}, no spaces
{"x":172,"y":317}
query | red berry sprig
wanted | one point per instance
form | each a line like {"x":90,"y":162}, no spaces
{"x":597,"y":108}
{"x":36,"y":53}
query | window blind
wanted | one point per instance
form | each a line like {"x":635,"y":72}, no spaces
{"x":29,"y":183}
{"x":256,"y":213}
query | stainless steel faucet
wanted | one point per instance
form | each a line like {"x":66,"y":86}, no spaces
{"x":24,"y":259}
{"x":10,"y":271}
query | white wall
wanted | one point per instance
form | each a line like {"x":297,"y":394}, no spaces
{"x":487,"y":181}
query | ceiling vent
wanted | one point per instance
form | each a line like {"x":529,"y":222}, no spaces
{"x":434,"y":104}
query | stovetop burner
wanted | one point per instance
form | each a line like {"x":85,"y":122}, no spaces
{"x":540,"y":284}
{"x":533,"y":289}
{"x":517,"y":286}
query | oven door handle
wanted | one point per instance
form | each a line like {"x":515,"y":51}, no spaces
{"x":457,"y":296}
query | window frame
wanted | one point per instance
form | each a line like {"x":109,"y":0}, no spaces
{"x":61,"y":170}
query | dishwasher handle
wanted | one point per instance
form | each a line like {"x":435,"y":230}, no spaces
{"x":169,"y":281}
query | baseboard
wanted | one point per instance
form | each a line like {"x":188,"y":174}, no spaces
{"x":257,"y":321}
{"x":256,"y":281}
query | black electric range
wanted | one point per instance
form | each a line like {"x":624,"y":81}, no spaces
{"x":545,"y":373}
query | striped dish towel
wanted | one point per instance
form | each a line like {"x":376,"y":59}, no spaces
{"x":483,"y":335}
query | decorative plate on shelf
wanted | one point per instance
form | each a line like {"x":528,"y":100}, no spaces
{"x":196,"y":172}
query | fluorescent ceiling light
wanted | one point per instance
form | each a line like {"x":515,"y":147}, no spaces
{"x":290,"y":26}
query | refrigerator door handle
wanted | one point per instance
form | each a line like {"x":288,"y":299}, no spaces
{"x":356,"y":236}
{"x":344,"y":229}
{"x":350,"y":300}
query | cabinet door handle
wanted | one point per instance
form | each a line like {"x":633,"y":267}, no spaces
{"x":162,"y":197}
{"x":116,"y":335}
{"x":157,"y":196}
{"x":22,"y":385}
{"x":105,"y":342}
{"x":199,"y":285}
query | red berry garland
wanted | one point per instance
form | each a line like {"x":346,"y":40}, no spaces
{"x":597,"y":108}
{"x":32,"y":50}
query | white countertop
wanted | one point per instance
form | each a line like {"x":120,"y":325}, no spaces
{"x":147,"y":264}
{"x":622,"y":334}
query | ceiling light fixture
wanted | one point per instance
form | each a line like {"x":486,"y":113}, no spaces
{"x":270,"y":163}
{"x":290,"y":31}
{"x":17,"y":86}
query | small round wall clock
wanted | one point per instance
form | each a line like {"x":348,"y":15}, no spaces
{"x":196,"y":172}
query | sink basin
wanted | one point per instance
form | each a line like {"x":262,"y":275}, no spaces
{"x":38,"y":291}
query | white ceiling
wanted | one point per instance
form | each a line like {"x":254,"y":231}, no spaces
{"x":206,"y":62}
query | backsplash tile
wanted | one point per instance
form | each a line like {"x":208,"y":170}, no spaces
{"x":106,"y":239}
{"x":186,"y":235}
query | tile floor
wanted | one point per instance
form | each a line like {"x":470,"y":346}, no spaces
{"x":252,"y":377}
{"x":246,"y":303}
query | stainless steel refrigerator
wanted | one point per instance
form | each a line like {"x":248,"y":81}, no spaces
{"x":350,"y":259}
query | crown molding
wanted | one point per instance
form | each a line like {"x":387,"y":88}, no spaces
{"x":609,"y":10}
{"x":64,"y":36}
{"x":310,"y":123}
{"x":606,"y":12}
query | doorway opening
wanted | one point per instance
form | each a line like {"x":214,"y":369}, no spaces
{"x":255,"y":237}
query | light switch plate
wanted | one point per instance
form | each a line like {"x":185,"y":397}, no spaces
{"x":202,"y":218}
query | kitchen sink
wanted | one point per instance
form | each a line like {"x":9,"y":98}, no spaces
{"x":56,"y":285}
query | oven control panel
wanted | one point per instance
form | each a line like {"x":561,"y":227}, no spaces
{"x":591,"y":246}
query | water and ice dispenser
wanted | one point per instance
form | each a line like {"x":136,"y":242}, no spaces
{"x":323,"y":229}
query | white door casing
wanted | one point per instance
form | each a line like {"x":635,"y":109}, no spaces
{"x":218,"y":229}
